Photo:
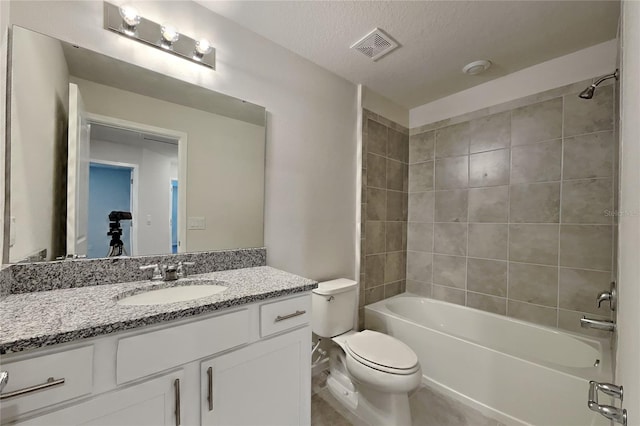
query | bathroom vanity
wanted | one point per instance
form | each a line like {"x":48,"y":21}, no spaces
{"x":238,"y":357}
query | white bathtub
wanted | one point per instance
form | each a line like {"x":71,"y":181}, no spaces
{"x":516,"y":372}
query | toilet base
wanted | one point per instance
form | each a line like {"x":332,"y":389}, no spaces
{"x":374,"y":407}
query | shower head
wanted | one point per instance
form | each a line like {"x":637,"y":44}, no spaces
{"x":589,"y":91}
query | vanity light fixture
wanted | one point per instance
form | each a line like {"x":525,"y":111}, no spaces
{"x":126,"y":20}
{"x":169,"y":36}
{"x":130,"y":19}
{"x":203,"y":47}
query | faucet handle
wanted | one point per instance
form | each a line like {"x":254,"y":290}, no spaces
{"x":182,"y":268}
{"x":610,"y":296}
{"x":157,"y":274}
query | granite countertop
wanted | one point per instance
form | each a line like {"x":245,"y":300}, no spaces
{"x":44,"y":318}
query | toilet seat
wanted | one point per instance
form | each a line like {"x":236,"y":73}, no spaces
{"x":382,"y":352}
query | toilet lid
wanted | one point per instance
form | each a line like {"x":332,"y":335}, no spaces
{"x":382,"y":350}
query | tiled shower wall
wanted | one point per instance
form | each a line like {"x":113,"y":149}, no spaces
{"x":511,"y":208}
{"x":385,"y":148}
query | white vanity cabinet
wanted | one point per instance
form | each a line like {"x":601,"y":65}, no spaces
{"x":262,"y":384}
{"x":248,"y":365}
{"x":151,"y":403}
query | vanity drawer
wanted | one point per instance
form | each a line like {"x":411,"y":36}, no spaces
{"x":283,"y":315}
{"x":144,"y":354}
{"x":71,"y":371}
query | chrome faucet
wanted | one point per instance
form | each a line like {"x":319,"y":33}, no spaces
{"x":611,"y":296}
{"x":597,"y":324}
{"x":168,"y":272}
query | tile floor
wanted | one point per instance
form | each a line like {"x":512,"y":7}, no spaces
{"x":428,"y":408}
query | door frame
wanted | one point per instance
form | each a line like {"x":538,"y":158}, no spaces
{"x":133,"y":198}
{"x":182,"y":138}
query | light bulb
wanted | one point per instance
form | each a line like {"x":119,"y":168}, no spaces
{"x":170,"y":35}
{"x":130,"y":15}
{"x":203,"y":47}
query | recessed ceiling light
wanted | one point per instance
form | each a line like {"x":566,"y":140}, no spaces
{"x":476,"y":67}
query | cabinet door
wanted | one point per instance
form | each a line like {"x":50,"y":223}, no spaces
{"x":151,"y":403}
{"x":266,"y":383}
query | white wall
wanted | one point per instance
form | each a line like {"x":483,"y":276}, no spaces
{"x":155,"y":172}
{"x":311,"y":151}
{"x":628,"y":315}
{"x":375,"y":102}
{"x":225,"y":164}
{"x":581,"y":65}
{"x":38,"y":126}
{"x":4,"y":43}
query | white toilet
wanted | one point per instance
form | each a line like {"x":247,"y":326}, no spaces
{"x":369,"y":372}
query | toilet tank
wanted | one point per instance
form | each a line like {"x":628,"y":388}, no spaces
{"x":333,"y":306}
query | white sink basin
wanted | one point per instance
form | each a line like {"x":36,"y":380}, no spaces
{"x":180,"y":293}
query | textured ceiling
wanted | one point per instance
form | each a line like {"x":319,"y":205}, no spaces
{"x":437,"y":38}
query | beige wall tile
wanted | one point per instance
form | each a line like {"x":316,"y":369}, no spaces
{"x":376,"y":204}
{"x":421,"y":206}
{"x":395,"y":175}
{"x":579,"y":289}
{"x":487,"y":276}
{"x":396,"y":205}
{"x":395,"y":269}
{"x":420,"y":236}
{"x":451,"y":206}
{"x":452,"y":140}
{"x":449,"y":271}
{"x":586,"y":246}
{"x":492,"y":132}
{"x":377,"y":138}
{"x":451,"y":173}
{"x":489,"y":168}
{"x":533,"y":284}
{"x":489,"y":204}
{"x":488,"y":241}
{"x":373,"y":295}
{"x":422,"y":147}
{"x":535,"y":203}
{"x":448,"y":294}
{"x":587,"y":201}
{"x":421,"y":289}
{"x":421,"y":177}
{"x":393,"y":289}
{"x":532,"y":313}
{"x":534,"y":244}
{"x":450,"y":238}
{"x":588,"y":156}
{"x":419,"y":266}
{"x":374,"y":271}
{"x":540,"y":162}
{"x":376,"y":171}
{"x":496,"y":305}
{"x":398,"y":146}
{"x":537,"y":122}
{"x":375,"y":237}
{"x":590,"y":116}
{"x":393,"y":236}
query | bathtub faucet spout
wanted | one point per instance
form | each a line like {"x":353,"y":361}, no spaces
{"x":597,"y":324}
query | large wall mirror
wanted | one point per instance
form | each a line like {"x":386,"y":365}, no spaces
{"x":108,"y":158}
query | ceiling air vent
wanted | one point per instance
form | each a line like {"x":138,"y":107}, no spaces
{"x":375,"y":45}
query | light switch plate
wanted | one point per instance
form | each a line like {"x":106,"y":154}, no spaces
{"x":196,"y":223}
